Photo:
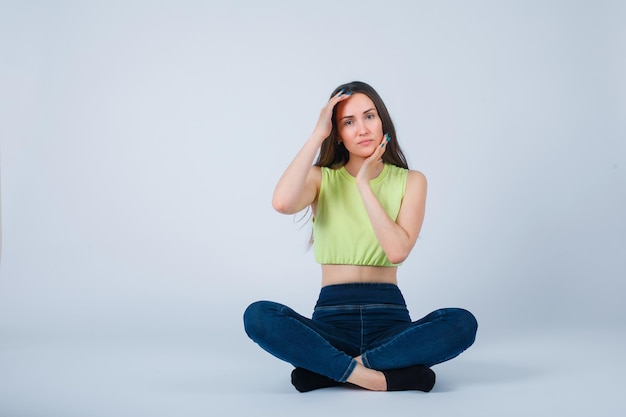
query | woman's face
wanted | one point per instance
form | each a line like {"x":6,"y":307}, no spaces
{"x":359,"y":126}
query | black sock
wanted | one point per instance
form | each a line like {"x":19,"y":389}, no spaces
{"x":305,"y":380}
{"x":416,"y":377}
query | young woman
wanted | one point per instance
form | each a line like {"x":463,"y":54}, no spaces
{"x":368,"y":209}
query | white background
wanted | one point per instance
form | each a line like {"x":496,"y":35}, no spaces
{"x":141,"y":141}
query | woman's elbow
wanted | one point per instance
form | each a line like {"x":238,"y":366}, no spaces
{"x":282,"y":206}
{"x":397,"y":257}
{"x":279,"y":206}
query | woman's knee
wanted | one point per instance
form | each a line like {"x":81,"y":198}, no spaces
{"x":255,"y":317}
{"x":467,"y":325}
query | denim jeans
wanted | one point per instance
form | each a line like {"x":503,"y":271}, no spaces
{"x":349,"y":320}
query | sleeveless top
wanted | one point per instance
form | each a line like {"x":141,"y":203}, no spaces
{"x":342,"y":231}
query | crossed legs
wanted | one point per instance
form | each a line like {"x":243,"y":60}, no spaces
{"x":320,"y":357}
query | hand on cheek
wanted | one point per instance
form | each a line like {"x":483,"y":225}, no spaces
{"x":368,"y":169}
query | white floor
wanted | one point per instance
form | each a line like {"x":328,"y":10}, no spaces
{"x":84,"y":372}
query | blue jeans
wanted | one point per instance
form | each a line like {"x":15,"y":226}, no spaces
{"x":370,"y":320}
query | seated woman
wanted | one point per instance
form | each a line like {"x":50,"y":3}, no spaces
{"x":368,"y":209}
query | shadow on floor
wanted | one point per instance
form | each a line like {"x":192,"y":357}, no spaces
{"x":470,"y":373}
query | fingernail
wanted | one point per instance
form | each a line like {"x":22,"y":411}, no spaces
{"x":388,"y":137}
{"x":348,"y":93}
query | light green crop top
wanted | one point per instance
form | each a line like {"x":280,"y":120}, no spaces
{"x":342,"y":231}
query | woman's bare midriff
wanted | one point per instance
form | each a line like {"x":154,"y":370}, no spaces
{"x":347,"y":274}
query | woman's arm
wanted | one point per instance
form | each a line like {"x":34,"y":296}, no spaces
{"x":298,"y":186}
{"x":398,"y":238}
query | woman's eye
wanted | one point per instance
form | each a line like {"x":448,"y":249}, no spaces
{"x":369,"y":116}
{"x":348,"y":122}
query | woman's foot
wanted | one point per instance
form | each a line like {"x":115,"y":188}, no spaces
{"x":417,"y":377}
{"x":305,"y":380}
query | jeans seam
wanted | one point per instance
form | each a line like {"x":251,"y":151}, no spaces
{"x":366,"y":363}
{"x":286,"y":312}
{"x":362,"y":331}
{"x":360,"y":307}
{"x":348,"y":371}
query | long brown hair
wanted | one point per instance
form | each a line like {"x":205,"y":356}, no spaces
{"x":334,"y":155}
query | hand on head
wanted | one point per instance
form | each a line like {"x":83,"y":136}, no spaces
{"x":325,"y":122}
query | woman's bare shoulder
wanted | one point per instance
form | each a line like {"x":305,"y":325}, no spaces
{"x":315,"y":175}
{"x":417,"y":178}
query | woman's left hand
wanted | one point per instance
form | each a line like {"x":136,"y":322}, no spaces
{"x":371,"y":166}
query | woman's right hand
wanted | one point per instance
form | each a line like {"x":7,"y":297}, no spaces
{"x":297,"y":187}
{"x":325,"y":122}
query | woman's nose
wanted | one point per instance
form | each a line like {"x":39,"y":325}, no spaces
{"x":362,"y":127}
